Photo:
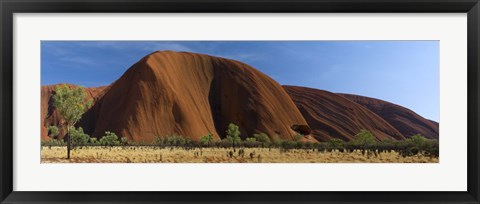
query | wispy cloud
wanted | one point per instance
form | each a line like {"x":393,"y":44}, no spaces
{"x":244,"y":57}
{"x":168,"y":46}
{"x":137,"y":45}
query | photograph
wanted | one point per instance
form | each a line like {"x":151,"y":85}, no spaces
{"x":240,"y":101}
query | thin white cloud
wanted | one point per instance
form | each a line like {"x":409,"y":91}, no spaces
{"x":239,"y":56}
{"x":138,"y":45}
{"x":168,"y":46}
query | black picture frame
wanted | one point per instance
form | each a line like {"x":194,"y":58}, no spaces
{"x":9,"y":7}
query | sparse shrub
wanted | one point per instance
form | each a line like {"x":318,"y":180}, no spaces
{"x":123,"y":140}
{"x":299,"y":145}
{"x":364,"y":140}
{"x":157,"y":141}
{"x":262,"y":138}
{"x":93,"y":140}
{"x":277,"y":143}
{"x":417,"y":140}
{"x":78,"y":137}
{"x":385,"y":145}
{"x":53,"y":142}
{"x":233,"y":135}
{"x":414,"y":145}
{"x":53,"y":132}
{"x":287,"y":145}
{"x":225,"y":143}
{"x":322,"y":146}
{"x":308,"y":145}
{"x":251,"y":139}
{"x":207,"y":140}
{"x":176,"y":140}
{"x":431,"y":148}
{"x":109,"y":139}
{"x":250,"y":142}
{"x":335,"y":144}
{"x":173,"y":141}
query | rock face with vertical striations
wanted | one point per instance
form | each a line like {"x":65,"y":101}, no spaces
{"x":330,"y":115}
{"x":189,"y":94}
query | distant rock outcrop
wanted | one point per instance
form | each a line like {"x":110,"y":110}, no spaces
{"x":330,"y":115}
{"x":404,"y":120}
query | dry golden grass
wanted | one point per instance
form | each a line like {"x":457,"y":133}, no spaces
{"x":147,"y":154}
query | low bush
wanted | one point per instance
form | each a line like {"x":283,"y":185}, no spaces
{"x":53,"y":142}
{"x":364,"y":141}
{"x":78,"y":137}
{"x":207,"y":140}
{"x":335,"y":144}
{"x":53,"y":132}
{"x":109,"y":139}
{"x":262,"y":138}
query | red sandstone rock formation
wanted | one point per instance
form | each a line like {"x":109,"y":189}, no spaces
{"x":330,"y":115}
{"x":404,"y":120}
{"x":190,"y":94}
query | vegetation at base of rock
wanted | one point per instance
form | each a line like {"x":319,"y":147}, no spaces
{"x":53,"y":142}
{"x":53,"y":132}
{"x":262,"y":138}
{"x":71,"y":103}
{"x":233,"y":135}
{"x":78,"y":137}
{"x":173,"y":140}
{"x":154,"y":154}
{"x":109,"y":139}
{"x":364,"y":142}
{"x":207,"y":140}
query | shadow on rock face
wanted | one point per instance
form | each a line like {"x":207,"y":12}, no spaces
{"x":302,"y":129}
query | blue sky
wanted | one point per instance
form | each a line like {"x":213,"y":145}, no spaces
{"x":402,"y":72}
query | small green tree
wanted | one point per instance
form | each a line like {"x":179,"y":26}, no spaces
{"x":430,"y":148}
{"x":109,"y":139}
{"x":262,"y":138}
{"x":176,"y":140}
{"x":71,"y":103}
{"x":335,"y":143}
{"x":233,"y":135}
{"x":207,"y":140}
{"x":53,"y":132}
{"x":78,"y":137}
{"x":417,"y":140}
{"x":364,"y":139}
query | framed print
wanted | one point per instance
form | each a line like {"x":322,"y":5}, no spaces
{"x":240,"y":101}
